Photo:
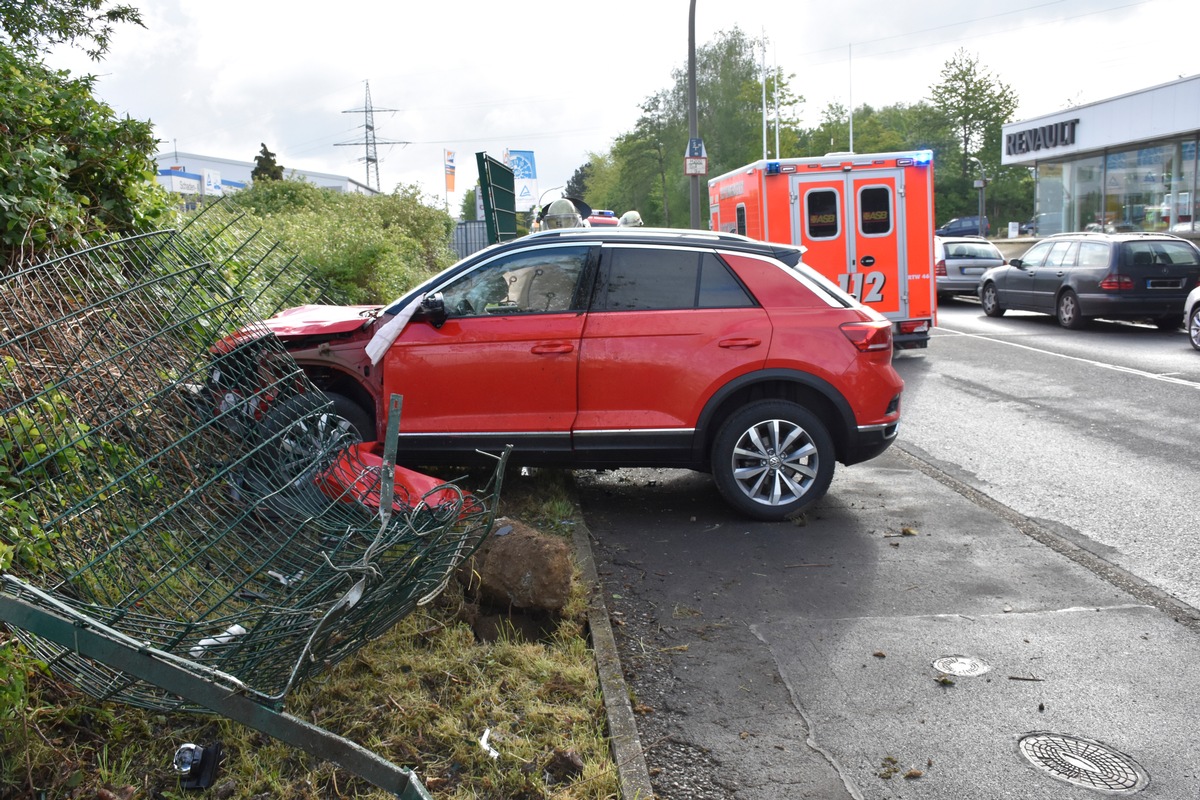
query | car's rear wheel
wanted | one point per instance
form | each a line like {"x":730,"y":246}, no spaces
{"x":772,"y":459}
{"x":1194,"y":327}
{"x":990,"y":299}
{"x":1067,"y":311}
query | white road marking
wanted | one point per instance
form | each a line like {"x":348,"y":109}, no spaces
{"x":1165,"y":378}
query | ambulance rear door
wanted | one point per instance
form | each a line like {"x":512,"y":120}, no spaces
{"x":853,"y":225}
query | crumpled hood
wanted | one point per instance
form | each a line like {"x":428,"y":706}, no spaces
{"x":314,"y":320}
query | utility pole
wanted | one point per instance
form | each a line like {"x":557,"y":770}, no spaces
{"x":695,"y":162}
{"x":369,"y":141}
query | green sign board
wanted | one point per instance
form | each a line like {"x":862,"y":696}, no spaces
{"x":497,"y":188}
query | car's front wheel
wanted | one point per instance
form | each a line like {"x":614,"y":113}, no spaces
{"x":772,"y":459}
{"x":990,"y":299}
{"x":1067,"y":311}
{"x":301,"y":432}
{"x":1194,"y":327}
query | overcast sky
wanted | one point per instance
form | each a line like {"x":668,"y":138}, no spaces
{"x":220,"y":77}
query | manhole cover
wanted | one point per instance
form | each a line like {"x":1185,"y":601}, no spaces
{"x":963,"y":666}
{"x":1082,"y":762}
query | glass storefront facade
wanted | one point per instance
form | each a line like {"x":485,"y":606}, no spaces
{"x":1143,"y":187}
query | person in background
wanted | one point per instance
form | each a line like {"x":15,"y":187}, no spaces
{"x":631,"y":219}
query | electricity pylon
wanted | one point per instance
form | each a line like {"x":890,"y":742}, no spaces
{"x":369,"y":141}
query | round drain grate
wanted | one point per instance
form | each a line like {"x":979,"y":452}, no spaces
{"x":963,"y":666}
{"x":1082,"y":762}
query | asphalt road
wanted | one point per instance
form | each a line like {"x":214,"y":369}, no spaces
{"x":1030,"y":529}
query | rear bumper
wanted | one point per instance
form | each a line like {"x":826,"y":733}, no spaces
{"x":1117,"y":307}
{"x":869,"y":441}
{"x":958,"y":285}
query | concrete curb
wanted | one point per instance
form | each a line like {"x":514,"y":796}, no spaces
{"x":633,"y":776}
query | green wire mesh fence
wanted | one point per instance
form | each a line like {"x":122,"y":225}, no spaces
{"x":177,"y":479}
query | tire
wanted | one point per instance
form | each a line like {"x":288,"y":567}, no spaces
{"x":752,"y":473}
{"x":353,"y":413}
{"x":297,"y":434}
{"x":990,"y":300}
{"x":1066,"y":310}
{"x":1193,"y":327}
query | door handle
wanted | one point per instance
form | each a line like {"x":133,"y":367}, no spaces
{"x":739,"y":343}
{"x":552,"y":348}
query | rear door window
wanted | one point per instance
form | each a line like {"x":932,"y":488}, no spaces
{"x":821,"y":214}
{"x":651,"y":278}
{"x":1062,"y":254}
{"x":875,"y":210}
{"x":1093,"y":254}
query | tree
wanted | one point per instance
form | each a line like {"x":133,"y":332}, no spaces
{"x":35,"y":26}
{"x":468,"y":208}
{"x":577,"y":185}
{"x":644,"y":168}
{"x":974,"y":102}
{"x":265,"y":168}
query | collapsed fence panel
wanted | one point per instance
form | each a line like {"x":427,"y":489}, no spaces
{"x":179,"y":481}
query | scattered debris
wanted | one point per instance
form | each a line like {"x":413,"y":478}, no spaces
{"x":563,"y":766}
{"x":492,"y":752}
{"x":1025,"y":678}
{"x":944,"y":680}
{"x":913,"y":774}
{"x":879,"y":654}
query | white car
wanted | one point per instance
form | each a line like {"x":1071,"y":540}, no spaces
{"x":1191,"y":316}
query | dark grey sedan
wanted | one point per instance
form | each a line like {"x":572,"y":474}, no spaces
{"x":1078,"y":276}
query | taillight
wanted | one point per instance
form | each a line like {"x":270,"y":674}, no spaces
{"x":869,"y":335}
{"x":914,"y":326}
{"x":940,"y":267}
{"x":1115,"y":281}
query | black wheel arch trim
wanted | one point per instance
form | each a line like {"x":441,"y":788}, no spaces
{"x":711,"y":417}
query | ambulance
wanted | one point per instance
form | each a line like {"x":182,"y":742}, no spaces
{"x":866,"y":220}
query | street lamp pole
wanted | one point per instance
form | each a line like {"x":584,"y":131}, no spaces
{"x":981,"y":185}
{"x":693,"y":124}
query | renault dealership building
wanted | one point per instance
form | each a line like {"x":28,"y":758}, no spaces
{"x":1123,"y":164}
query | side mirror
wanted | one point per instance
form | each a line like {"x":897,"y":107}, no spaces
{"x":1016,"y":262}
{"x":432,"y":310}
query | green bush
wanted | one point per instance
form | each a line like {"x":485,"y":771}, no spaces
{"x":366,"y":249}
{"x":71,"y":172}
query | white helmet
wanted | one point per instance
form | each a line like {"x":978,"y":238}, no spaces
{"x":631,"y":219}
{"x":561,"y":214}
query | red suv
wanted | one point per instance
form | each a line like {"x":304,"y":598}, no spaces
{"x":612,"y":347}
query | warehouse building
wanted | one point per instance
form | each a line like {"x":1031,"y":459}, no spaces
{"x":195,"y":175}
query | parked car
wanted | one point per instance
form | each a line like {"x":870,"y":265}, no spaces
{"x":960,"y":261}
{"x":1191,"y":316}
{"x":612,"y":347}
{"x":1078,"y":276}
{"x":964,"y":226}
{"x":1039,"y":224}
